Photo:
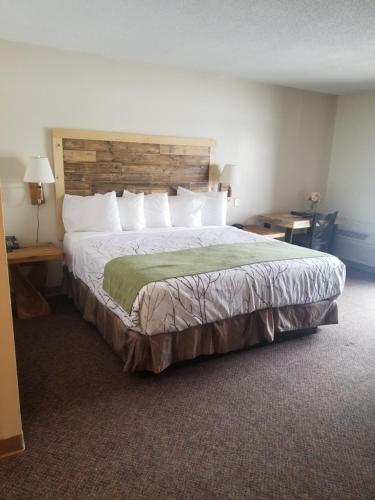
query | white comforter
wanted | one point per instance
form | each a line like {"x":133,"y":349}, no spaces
{"x":178,"y":303}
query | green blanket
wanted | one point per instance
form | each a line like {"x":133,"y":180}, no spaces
{"x":125,"y":276}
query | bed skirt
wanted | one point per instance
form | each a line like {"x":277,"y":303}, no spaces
{"x":156,"y":352}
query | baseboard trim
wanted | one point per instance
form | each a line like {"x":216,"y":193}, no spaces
{"x":11,"y":446}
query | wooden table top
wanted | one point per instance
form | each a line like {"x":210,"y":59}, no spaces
{"x":285,"y":220}
{"x":264,"y":231}
{"x":35,"y":253}
{"x":288,"y":220}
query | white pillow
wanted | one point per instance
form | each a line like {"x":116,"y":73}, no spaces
{"x":215,"y":204}
{"x":156,"y":209}
{"x":91,"y":213}
{"x":131,"y":210}
{"x":186,"y":211}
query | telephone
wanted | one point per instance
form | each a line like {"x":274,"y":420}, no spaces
{"x":11,"y":243}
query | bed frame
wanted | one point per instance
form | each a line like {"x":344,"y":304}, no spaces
{"x":88,"y":162}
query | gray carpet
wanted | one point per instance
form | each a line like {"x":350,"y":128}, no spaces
{"x":294,"y":419}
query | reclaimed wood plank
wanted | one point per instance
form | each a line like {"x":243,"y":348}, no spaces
{"x":74,"y":185}
{"x":161,"y":160}
{"x":135,"y":147}
{"x":78,"y":156}
{"x":169,"y":149}
{"x":86,"y":145}
{"x":79,"y":192}
{"x":105,"y":156}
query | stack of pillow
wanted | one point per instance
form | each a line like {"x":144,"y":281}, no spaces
{"x":106,"y":212}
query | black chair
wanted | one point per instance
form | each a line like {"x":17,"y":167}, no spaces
{"x":321,"y":234}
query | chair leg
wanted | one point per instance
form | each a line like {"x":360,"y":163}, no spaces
{"x":289,"y":235}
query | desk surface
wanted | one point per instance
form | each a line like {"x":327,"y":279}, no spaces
{"x":287,"y":220}
{"x":265,"y":231}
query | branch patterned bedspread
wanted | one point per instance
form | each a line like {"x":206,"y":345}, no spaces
{"x":177,"y":303}
{"x":124,"y":277}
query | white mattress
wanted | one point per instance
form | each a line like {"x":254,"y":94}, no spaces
{"x":178,"y":303}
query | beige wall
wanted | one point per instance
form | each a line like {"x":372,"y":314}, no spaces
{"x":280,"y":137}
{"x":351,"y":186}
{"x":10,"y":419}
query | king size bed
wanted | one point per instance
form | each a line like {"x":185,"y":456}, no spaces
{"x":163,"y":295}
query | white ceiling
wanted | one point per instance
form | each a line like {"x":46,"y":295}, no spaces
{"x":324,"y":45}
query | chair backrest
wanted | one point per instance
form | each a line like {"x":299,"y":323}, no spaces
{"x":322,"y":231}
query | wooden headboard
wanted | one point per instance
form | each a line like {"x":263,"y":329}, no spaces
{"x":88,"y":162}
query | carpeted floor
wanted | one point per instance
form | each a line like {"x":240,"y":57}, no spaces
{"x":294,"y":419}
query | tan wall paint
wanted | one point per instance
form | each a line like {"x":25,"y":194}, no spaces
{"x":10,"y":418}
{"x":280,"y":137}
{"x":351,"y":186}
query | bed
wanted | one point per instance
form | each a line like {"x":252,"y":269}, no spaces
{"x":181,"y":317}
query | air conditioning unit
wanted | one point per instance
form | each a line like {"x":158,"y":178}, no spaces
{"x":356,"y":247}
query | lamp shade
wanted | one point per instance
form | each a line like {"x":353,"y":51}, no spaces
{"x":39,"y":170}
{"x":229,"y":174}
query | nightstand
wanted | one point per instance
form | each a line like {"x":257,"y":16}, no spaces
{"x":264,"y":231}
{"x":28,"y":289}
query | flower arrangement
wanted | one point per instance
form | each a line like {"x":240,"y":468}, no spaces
{"x":314,"y":198}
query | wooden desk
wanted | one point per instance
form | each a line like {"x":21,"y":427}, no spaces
{"x":288,"y":221}
{"x":28,"y":289}
{"x":264,"y":231}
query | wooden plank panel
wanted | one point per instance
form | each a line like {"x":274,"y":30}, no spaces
{"x":135,"y":187}
{"x":152,"y":178}
{"x":74,"y":185}
{"x":189,"y":160}
{"x":168,"y":149}
{"x":143,"y":159}
{"x":77,"y":156}
{"x":122,"y":152}
{"x":86,"y":145}
{"x":135,"y":147}
{"x":142,"y":187}
{"x":105,"y":156}
{"x":92,"y":168}
{"x":79,"y":192}
{"x":152,"y":159}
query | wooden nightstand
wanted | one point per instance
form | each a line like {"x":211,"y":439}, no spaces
{"x":264,"y":231}
{"x":28,"y":289}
